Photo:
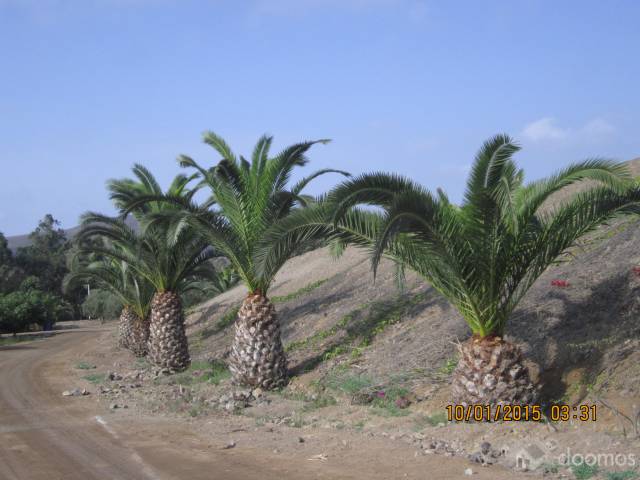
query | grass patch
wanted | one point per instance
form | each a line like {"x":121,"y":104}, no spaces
{"x":386,"y":405}
{"x":385,"y":397}
{"x":227,"y":319}
{"x":348,"y":383}
{"x":142,"y":363}
{"x":296,"y":421}
{"x":298,"y":293}
{"x":261,"y":421}
{"x":449,"y":366}
{"x":363,"y":324}
{"x":359,"y":425}
{"x":321,"y":401}
{"x":8,"y":341}
{"x":423,"y":421}
{"x":626,"y":475}
{"x":95,"y":378}
{"x":321,"y":335}
{"x":201,"y":372}
{"x":85,"y":366}
{"x":584,"y":471}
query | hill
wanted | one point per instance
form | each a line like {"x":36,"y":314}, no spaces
{"x":17,"y":241}
{"x":347,"y":336}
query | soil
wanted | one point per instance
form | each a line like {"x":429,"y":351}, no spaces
{"x":44,"y":435}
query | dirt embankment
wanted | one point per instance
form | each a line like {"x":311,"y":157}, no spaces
{"x":349,"y":338}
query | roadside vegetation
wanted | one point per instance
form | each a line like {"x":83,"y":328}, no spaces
{"x":31,"y":296}
{"x":482,"y":256}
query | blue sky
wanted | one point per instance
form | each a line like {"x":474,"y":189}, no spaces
{"x":88,"y":87}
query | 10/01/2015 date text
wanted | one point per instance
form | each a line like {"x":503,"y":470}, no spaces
{"x":519,"y":413}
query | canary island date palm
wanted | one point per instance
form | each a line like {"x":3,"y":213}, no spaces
{"x":133,"y":291}
{"x":482,"y":255}
{"x":247,"y":199}
{"x":171,"y":264}
{"x":123,"y":192}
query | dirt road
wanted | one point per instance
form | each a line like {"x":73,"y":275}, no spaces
{"x":46,"y":436}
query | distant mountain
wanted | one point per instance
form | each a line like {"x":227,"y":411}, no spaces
{"x":17,"y":241}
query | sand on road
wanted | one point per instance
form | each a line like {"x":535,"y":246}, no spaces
{"x":44,"y":435}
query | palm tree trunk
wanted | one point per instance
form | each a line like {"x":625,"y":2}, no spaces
{"x":125,"y":328}
{"x":491,"y":372}
{"x":139,"y":337}
{"x":168,"y":347}
{"x":257,"y":357}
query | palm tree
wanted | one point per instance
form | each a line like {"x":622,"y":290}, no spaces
{"x":172,"y":264}
{"x":133,"y":291}
{"x":123,"y":192}
{"x":248,"y":198}
{"x":483,"y":255}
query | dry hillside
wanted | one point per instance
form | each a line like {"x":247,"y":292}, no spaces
{"x":333,"y":313}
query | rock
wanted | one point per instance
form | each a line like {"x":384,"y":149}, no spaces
{"x":468,"y":471}
{"x":114,"y":376}
{"x":300,"y":440}
{"x":230,"y":444}
{"x":362,"y":398}
{"x":319,"y":456}
{"x":114,"y":406}
{"x":485,"y":448}
{"x":76,"y":392}
{"x":257,"y":393}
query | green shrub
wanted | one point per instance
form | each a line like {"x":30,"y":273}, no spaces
{"x":626,"y":475}
{"x":101,"y":304}
{"x":95,"y":378}
{"x":584,"y":471}
{"x":82,"y":365}
{"x":201,"y":372}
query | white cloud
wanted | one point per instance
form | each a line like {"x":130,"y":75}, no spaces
{"x":547,"y":130}
{"x":544,"y":129}
{"x":598,"y":126}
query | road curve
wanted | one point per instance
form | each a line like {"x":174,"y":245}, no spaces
{"x":42,"y":436}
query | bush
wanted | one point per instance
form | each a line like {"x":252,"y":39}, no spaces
{"x":27,"y":306}
{"x":101,"y":304}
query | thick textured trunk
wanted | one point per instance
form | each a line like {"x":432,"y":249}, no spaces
{"x":139,"y":341}
{"x":491,"y":372}
{"x":125,"y":328}
{"x":257,"y":357}
{"x":168,"y":347}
